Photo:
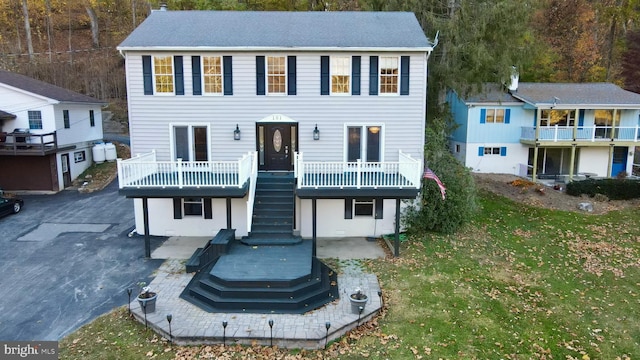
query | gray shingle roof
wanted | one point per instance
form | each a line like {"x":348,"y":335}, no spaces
{"x":44,"y":89}
{"x":279,"y":29}
{"x":491,"y":93}
{"x":6,"y":116}
{"x":592,"y":94}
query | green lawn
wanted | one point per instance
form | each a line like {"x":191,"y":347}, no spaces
{"x":517,"y":283}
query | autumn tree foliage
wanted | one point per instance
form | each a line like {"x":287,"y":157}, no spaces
{"x":631,"y":63}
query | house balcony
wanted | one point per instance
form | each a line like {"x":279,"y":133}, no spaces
{"x":587,"y":135}
{"x":24,"y":143}
{"x":145,"y":176}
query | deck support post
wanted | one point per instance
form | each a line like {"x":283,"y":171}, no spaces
{"x":147,"y":237}
{"x":534,"y":172}
{"x":610,"y":161}
{"x":573,"y":161}
{"x":396,"y":245}
{"x":314,"y":223}
{"x":229,"y":213}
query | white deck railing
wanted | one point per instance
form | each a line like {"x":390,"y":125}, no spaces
{"x":252,"y":189}
{"x":404,"y":173}
{"x":145,"y":171}
{"x":586,"y":133}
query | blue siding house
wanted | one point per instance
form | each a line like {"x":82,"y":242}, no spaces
{"x":547,"y":130}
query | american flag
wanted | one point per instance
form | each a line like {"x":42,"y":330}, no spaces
{"x":429,"y":174}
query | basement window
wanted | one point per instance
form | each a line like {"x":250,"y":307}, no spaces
{"x":192,"y":206}
{"x":363,"y":207}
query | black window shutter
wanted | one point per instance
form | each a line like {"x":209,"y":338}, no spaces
{"x":177,"y":208}
{"x":404,"y":75}
{"x":208,"y":209}
{"x":179,"y":75}
{"x":228,"y":75}
{"x":147,"y":75}
{"x":324,"y":75}
{"x":291,"y":75}
{"x":260,"y":89}
{"x":378,"y":209}
{"x":196,"y":75}
{"x":348,"y":208}
{"x":373,"y":75}
{"x":355,"y":75}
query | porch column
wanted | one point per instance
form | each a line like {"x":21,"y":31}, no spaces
{"x":610,"y":162}
{"x":314,"y":224}
{"x":573,"y":160}
{"x":147,"y":237}
{"x":534,"y":173}
{"x":396,"y":245}
{"x":229,"y":213}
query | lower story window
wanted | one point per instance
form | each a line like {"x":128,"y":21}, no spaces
{"x":79,"y":156}
{"x":192,"y":206}
{"x":492,"y":151}
{"x":363,"y":207}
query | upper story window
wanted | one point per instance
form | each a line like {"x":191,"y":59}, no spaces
{"x":92,"y":118}
{"x":340,"y":74}
{"x":605,"y":118}
{"x":212,"y":74}
{"x":388,"y":75}
{"x":35,"y":119}
{"x":67,"y":121}
{"x":557,"y":117}
{"x":495,"y":116}
{"x":163,"y":74}
{"x":276,"y":74}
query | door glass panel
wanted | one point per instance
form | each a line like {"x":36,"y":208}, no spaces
{"x":353,"y":148}
{"x":277,"y":141}
{"x":261,"y":144}
{"x":181,"y":137}
{"x":293,"y":140}
{"x":373,"y":144}
{"x":200,"y":147}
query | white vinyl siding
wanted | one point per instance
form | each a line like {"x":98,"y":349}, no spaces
{"x":403,"y":116}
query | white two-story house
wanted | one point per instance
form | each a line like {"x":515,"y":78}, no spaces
{"x":544,"y":131}
{"x":222,"y":105}
{"x":46,"y":133}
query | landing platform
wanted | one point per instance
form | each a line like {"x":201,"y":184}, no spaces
{"x":265,"y":263}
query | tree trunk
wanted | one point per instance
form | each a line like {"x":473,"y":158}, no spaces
{"x":94,"y":25}
{"x":47,"y":4}
{"x":27,"y":28}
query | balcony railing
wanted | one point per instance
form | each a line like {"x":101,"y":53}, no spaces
{"x":583,"y":133}
{"x":28,"y":143}
{"x":405,"y":173}
{"x":144,"y":171}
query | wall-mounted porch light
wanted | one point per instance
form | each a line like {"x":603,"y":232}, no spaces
{"x":236,"y":133}
{"x":316,"y":133}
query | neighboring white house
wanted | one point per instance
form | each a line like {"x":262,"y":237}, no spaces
{"x":335,"y":100}
{"x":46,"y":133}
{"x":567,"y":130}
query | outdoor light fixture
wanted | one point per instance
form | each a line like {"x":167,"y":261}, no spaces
{"x":236,"y":133}
{"x":129,"y":291}
{"x":381,"y":299}
{"x":360,"y":310}
{"x":169,"y":318}
{"x":224,"y":331}
{"x":326,"y":338}
{"x":271,"y":327}
{"x":144,"y":310}
{"x":316,"y":133}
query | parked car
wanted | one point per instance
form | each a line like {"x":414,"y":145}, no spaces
{"x":11,"y":205}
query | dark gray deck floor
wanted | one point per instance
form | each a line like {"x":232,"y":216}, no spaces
{"x":265,"y":263}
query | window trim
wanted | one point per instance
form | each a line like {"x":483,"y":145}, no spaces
{"x":190,"y":126}
{"x":285,"y":92}
{"x":363,"y":140}
{"x":202,"y":76}
{"x":34,"y":112}
{"x":154,"y":76}
{"x":349,"y":74}
{"x":397,"y":76}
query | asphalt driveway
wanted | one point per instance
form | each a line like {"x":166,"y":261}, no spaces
{"x":66,"y":259}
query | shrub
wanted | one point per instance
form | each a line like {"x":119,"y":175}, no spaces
{"x":446,"y":216}
{"x":614,"y":189}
